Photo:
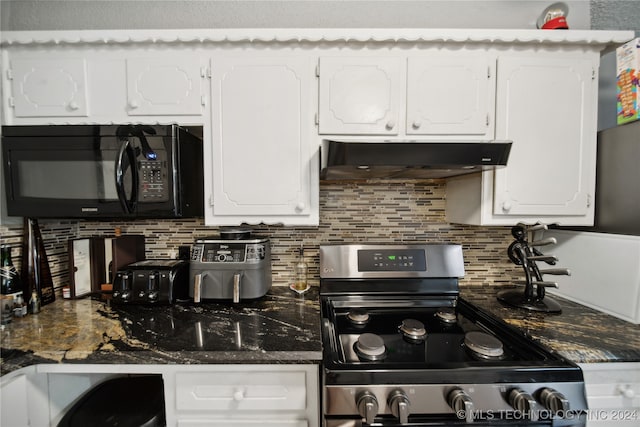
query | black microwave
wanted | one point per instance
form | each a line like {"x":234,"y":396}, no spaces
{"x":103,"y":171}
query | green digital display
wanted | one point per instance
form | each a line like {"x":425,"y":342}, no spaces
{"x":392,"y":260}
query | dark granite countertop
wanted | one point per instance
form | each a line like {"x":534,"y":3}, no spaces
{"x":578,"y":333}
{"x":281,"y":327}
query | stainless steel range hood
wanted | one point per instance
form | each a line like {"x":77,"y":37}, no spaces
{"x":411,"y":160}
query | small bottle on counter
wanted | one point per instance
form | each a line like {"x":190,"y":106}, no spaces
{"x":300,"y":269}
{"x":34,"y":303}
{"x":19,"y":307}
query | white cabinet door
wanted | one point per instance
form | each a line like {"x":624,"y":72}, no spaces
{"x":48,"y":87}
{"x":360,"y":95}
{"x":262,"y":164}
{"x":15,"y":401}
{"x":545,"y":105}
{"x":172,"y":85}
{"x":613,"y":393}
{"x":451,"y":95}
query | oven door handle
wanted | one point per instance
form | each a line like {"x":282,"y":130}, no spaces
{"x":128,"y":153}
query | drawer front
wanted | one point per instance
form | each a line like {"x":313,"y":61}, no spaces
{"x":242,"y":423}
{"x":245,"y":391}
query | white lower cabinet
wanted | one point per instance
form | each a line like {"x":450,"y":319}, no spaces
{"x":195,"y":395}
{"x":246,"y":423}
{"x":245,"y":396}
{"x":613,"y":393}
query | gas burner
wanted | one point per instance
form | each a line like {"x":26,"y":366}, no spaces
{"x":447,"y":315}
{"x":413,"y":330}
{"x":370,"y":347}
{"x":484,"y":345}
{"x":358,"y":316}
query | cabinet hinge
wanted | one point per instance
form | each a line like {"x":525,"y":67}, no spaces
{"x":11,"y":102}
{"x":488,"y":119}
{"x":9,"y":74}
{"x":594,"y":74}
{"x":318,"y":70}
{"x":211,"y":200}
{"x":205,"y":72}
{"x":203,"y":100}
{"x":588,"y":200}
{"x":488,"y":72}
{"x":316,"y":119}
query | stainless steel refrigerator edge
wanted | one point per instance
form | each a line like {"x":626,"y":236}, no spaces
{"x":618,"y":180}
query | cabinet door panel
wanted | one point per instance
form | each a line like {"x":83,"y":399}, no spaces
{"x":261,"y":136}
{"x":164,"y":86}
{"x":49,"y":87}
{"x":360,"y":95}
{"x":545,"y":108}
{"x":451,"y":95}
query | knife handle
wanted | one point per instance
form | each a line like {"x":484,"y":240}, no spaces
{"x":544,"y":242}
{"x":556,"y":271}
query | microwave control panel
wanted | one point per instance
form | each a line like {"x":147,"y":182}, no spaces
{"x":154,"y":181}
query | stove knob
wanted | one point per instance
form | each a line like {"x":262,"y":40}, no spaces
{"x":367,"y":406}
{"x":461,"y":403}
{"x":399,"y":404}
{"x":554,"y":400}
{"x":524,"y":403}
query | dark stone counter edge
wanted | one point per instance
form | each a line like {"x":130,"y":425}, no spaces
{"x":18,"y":359}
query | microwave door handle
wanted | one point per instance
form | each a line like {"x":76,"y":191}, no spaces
{"x":127,"y":149}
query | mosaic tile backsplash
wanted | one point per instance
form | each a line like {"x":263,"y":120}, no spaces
{"x":373,"y":212}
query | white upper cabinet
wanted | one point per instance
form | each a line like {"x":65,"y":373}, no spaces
{"x":73,"y":85}
{"x":48,"y":87}
{"x":360,"y":95}
{"x":451,"y":95}
{"x":171,"y":85}
{"x":546,"y":106}
{"x":264,"y":166}
{"x":267,"y":99}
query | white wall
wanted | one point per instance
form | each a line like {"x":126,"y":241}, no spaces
{"x":100,"y":14}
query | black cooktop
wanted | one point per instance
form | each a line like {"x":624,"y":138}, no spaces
{"x":457,"y":338}
{"x":422,"y":335}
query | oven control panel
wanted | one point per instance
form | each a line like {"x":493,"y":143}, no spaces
{"x":392,"y":260}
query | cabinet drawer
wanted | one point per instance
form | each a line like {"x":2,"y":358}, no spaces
{"x":242,"y":423}
{"x":246,"y":391}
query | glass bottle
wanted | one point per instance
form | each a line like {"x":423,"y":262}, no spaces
{"x":300,"y":269}
{"x":36,"y":275}
{"x":9,"y":277}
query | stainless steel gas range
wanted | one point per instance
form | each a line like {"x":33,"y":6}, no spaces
{"x":401,"y":348}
